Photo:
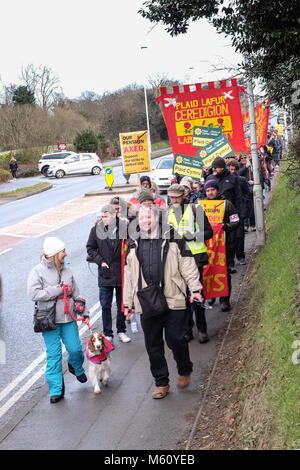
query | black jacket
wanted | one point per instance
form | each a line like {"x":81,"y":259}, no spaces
{"x":229,"y":188}
{"x":107,"y":250}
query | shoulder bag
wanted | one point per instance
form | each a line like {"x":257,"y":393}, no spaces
{"x":152,"y":298}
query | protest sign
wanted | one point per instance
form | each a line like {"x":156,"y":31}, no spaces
{"x":135,"y":153}
{"x":185,"y":165}
{"x":204,"y":135}
{"x":219,"y":147}
{"x":210,"y":104}
{"x":215,"y":282}
{"x":214,"y":210}
{"x":262,"y":114}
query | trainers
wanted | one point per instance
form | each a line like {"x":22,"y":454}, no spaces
{"x":160,"y":392}
{"x":124,"y":338}
{"x":109,"y":339}
{"x":242,"y":261}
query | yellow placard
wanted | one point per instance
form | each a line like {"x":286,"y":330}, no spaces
{"x":214,"y":210}
{"x":135,"y":153}
{"x":279,"y":128}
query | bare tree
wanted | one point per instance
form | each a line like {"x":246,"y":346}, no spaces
{"x":43,"y":83}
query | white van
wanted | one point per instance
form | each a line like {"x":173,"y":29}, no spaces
{"x":49,"y":158}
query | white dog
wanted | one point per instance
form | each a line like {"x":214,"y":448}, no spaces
{"x":97,"y":352}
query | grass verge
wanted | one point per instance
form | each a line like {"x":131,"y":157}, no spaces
{"x":269,"y":381}
{"x":22,"y":192}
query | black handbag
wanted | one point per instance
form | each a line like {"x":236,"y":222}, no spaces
{"x":152,"y":298}
{"x":44,"y":320}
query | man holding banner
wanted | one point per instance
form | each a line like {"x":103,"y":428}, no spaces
{"x":229,"y":223}
{"x":192,"y":225}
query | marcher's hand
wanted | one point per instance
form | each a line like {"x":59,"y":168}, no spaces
{"x":104,"y":265}
{"x":86,"y":320}
{"x":128,"y":312}
{"x":196,"y":296}
{"x":250,"y":182}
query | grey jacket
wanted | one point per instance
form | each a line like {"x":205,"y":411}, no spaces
{"x":43,"y":287}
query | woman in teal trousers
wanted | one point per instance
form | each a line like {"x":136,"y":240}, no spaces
{"x":44,"y":287}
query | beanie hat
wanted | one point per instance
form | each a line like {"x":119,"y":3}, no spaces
{"x":186,"y":184}
{"x":145,"y":178}
{"x":145,"y":195}
{"x":53,"y":245}
{"x":211,"y":184}
{"x":218,"y":163}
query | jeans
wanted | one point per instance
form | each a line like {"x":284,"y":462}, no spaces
{"x":106,"y":296}
{"x":174,"y":324}
{"x":68,"y":334}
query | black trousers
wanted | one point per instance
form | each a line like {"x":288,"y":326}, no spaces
{"x":198,"y":310}
{"x":174,"y":325}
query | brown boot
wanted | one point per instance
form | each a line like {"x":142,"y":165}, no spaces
{"x":183,"y":381}
{"x":160,"y":392}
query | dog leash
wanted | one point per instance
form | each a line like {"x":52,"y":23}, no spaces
{"x":67,"y":289}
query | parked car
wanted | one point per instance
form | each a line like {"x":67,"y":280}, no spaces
{"x":163,"y":172}
{"x":48,"y":158}
{"x":76,"y":164}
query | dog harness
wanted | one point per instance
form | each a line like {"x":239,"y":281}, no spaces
{"x":99,"y":357}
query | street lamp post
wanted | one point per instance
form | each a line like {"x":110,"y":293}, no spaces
{"x":147,"y":114}
{"x":257,"y":189}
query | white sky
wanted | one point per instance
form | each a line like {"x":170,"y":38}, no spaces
{"x":95,"y":45}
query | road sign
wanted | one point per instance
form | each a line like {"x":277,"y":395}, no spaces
{"x":109,"y":176}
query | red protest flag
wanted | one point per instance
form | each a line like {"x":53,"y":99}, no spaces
{"x":262,"y":115}
{"x":202,"y":104}
{"x":215,"y":283}
{"x":123,"y":255}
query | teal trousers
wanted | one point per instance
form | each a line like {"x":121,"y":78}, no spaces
{"x":66,"y":333}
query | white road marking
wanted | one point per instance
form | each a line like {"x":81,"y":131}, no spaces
{"x":5,"y":251}
{"x":14,"y":235}
{"x":7,"y":405}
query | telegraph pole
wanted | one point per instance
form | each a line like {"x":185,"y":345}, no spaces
{"x":257,"y":189}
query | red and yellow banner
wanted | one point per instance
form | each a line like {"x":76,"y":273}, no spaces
{"x":215,"y":273}
{"x":262,"y":115}
{"x":207,"y":106}
{"x":123,"y":256}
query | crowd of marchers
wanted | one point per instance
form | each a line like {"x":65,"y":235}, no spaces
{"x":151,"y":253}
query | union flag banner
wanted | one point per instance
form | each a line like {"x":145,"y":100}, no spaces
{"x":202,"y":104}
{"x":262,"y":115}
{"x":215,"y":272}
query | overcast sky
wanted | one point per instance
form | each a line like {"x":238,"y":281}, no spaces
{"x":95,"y":45}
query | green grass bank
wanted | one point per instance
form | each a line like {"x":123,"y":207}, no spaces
{"x":269,"y":381}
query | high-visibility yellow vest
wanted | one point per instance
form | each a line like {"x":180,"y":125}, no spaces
{"x":187,"y":223}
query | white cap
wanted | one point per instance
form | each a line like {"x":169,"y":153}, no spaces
{"x":53,"y":245}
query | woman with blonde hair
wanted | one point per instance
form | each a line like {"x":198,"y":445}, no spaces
{"x":45,"y":288}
